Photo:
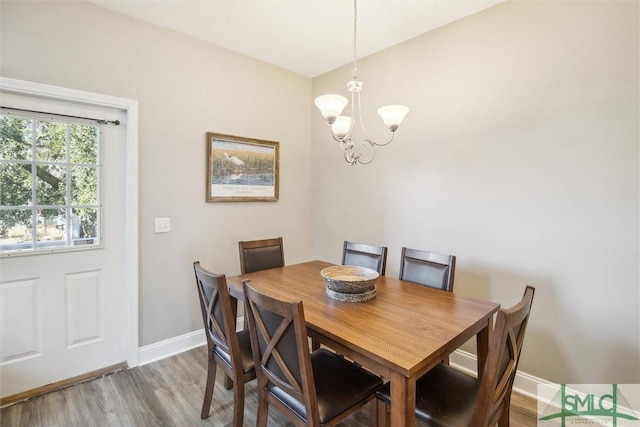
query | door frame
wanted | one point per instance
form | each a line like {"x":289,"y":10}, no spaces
{"x":130,"y":107}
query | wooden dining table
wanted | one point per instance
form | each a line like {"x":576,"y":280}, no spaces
{"x":400,"y":334}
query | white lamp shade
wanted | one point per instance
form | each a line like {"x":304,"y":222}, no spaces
{"x":392,"y":115}
{"x":341,"y":127}
{"x":331,"y":106}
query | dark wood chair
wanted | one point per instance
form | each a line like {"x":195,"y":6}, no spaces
{"x":446,"y":397}
{"x":227,"y":348}
{"x":310,"y":389}
{"x":256,"y":255}
{"x":373,"y":257}
{"x":428,"y":268}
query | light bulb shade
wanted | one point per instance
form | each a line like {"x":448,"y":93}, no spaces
{"x":341,"y":127}
{"x":392,"y":115}
{"x":331,"y":106}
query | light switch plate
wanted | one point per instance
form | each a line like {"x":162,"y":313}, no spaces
{"x":162,"y":225}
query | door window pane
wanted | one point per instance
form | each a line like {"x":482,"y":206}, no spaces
{"x":51,"y":141}
{"x":84,"y":144}
{"x":16,"y":183}
{"x":51,"y":227}
{"x":84,"y":185}
{"x":51,"y":185}
{"x":84,"y":226}
{"x":15,"y":229}
{"x":16,"y":137}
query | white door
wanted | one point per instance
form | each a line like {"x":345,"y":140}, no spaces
{"x":67,"y":313}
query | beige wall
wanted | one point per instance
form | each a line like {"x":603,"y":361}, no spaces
{"x":185,"y":88}
{"x":520,"y":156}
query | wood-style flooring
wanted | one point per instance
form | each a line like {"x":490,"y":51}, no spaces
{"x":168,"y":392}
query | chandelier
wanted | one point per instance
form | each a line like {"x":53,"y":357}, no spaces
{"x":331,"y":107}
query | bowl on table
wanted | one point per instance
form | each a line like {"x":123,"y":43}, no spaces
{"x":350,"y":282}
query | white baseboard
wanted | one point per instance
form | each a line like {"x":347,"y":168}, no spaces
{"x":524,"y":383}
{"x":170,"y":347}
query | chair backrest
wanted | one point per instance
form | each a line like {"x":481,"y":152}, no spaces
{"x":373,"y":257}
{"x":217,"y":312}
{"x":428,"y":268}
{"x":256,"y":255}
{"x":505,"y":346}
{"x":280,"y":347}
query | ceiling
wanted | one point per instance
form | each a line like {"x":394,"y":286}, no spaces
{"x":309,"y":37}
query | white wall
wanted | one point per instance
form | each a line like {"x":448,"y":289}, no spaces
{"x":185,"y":88}
{"x":520,"y":157}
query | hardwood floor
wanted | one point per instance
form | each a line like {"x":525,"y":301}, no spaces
{"x":168,"y":393}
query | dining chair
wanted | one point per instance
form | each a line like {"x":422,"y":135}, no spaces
{"x":309,"y":389}
{"x":363,"y":255}
{"x":227,"y":348}
{"x":428,"y":268}
{"x":447,"y":397}
{"x":256,"y":255}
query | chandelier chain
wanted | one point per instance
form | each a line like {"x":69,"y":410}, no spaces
{"x":354,"y":73}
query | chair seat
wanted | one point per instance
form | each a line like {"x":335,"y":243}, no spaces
{"x":452,"y":392}
{"x":244,"y":340}
{"x":339,"y":385}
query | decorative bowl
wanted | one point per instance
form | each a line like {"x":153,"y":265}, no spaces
{"x":349,"y":279}
{"x":339,"y":296}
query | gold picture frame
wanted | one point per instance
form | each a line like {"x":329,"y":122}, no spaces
{"x":242,"y":169}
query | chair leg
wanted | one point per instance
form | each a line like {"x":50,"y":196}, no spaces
{"x":208,"y":391}
{"x":381,"y":410}
{"x":238,"y":405}
{"x":374,"y":412}
{"x":228,"y":382}
{"x":263,"y":409}
{"x":504,"y":417}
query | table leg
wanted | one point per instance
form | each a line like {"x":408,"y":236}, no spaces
{"x":482,"y":345}
{"x":403,"y":400}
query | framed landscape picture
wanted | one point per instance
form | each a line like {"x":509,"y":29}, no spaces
{"x":241,"y":169}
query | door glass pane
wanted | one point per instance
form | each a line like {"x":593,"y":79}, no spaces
{"x":51,"y":141}
{"x":15,"y":184}
{"x":15,"y":229}
{"x":84,"y":225}
{"x":51,"y":225}
{"x":51,"y":185}
{"x":83,"y":144}
{"x":84,"y":185}
{"x":15,"y":138}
